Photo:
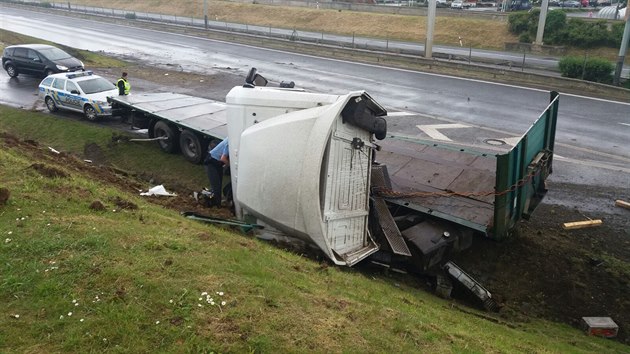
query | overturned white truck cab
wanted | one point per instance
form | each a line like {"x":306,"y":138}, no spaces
{"x":317,"y":167}
{"x":301,"y":162}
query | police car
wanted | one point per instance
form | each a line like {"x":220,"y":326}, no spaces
{"x":79,"y":91}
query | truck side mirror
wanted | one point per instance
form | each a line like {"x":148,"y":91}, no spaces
{"x":254,"y":79}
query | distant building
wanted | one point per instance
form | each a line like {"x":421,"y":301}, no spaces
{"x":611,"y":13}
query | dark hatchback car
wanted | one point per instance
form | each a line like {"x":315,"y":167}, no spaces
{"x":38,"y":60}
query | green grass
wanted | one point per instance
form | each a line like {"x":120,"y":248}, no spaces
{"x":129,"y":269}
{"x":90,"y":59}
{"x":77,"y":136}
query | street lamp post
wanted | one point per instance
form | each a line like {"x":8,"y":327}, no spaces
{"x":624,"y":47}
{"x":205,"y":13}
{"x":428,"y":45}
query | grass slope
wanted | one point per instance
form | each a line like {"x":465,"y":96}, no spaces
{"x":479,"y":33}
{"x":75,"y":279}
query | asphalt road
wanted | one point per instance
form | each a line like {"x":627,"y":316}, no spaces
{"x":592,"y":133}
{"x":530,"y":61}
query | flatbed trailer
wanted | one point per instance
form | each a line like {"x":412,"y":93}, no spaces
{"x":181,"y":123}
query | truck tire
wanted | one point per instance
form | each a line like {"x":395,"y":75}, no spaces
{"x":192,"y":147}
{"x":163,"y":130}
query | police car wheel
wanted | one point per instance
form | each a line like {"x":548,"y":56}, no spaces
{"x":11,"y":71}
{"x":50,"y":104}
{"x":163,"y":130}
{"x":90,"y":113}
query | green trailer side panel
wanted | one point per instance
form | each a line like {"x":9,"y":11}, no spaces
{"x":521,"y":173}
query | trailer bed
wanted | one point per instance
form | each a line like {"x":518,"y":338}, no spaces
{"x":196,"y":113}
{"x":431,"y":171}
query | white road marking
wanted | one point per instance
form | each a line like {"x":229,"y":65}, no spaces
{"x":401,"y":114}
{"x":625,"y":124}
{"x":432,"y":130}
{"x":512,"y":141}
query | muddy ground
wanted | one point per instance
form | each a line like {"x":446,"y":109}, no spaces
{"x":543,"y":272}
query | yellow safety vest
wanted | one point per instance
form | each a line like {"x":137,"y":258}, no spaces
{"x":127,"y":85}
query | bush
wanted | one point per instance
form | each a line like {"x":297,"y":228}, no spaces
{"x":590,"y":69}
{"x":584,"y":34}
{"x":518,"y":22}
{"x":525,"y":38}
{"x":554,"y":27}
{"x":576,"y":32}
{"x":616,"y":34}
{"x":130,"y":15}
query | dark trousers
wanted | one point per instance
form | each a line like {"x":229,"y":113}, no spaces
{"x":214,"y":170}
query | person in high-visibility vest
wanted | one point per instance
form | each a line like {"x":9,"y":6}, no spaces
{"x":123,"y":85}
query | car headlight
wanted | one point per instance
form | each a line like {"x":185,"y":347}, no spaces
{"x":61,"y":67}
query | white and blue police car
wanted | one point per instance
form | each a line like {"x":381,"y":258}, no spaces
{"x":78,"y":91}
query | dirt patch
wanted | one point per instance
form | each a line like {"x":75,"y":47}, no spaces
{"x":560,"y":275}
{"x":94,"y":153}
{"x":48,"y":171}
{"x":4,"y":196}
{"x":124,"y":204}
{"x":97,"y":205}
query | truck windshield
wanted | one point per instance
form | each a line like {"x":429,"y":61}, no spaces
{"x":96,"y":85}
{"x":54,"y":53}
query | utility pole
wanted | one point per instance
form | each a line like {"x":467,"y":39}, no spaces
{"x":541,"y":22}
{"x":205,"y":13}
{"x":624,"y":47}
{"x":428,"y":45}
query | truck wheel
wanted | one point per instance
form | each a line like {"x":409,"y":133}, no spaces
{"x":191,"y":146}
{"x":11,"y":70}
{"x":90,"y":113}
{"x":163,"y":130}
{"x":50,"y":104}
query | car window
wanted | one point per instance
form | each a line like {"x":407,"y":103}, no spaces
{"x":95,"y":85}
{"x":71,"y":86}
{"x":20,"y":52}
{"x":47,"y":81}
{"x":54,"y":53}
{"x":32,"y":55}
{"x":59,"y":83}
{"x":8,"y":52}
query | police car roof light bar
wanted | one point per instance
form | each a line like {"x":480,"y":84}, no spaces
{"x":85,"y":73}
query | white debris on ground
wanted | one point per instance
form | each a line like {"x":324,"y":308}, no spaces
{"x":159,"y":191}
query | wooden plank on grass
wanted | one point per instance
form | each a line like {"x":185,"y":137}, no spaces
{"x":621,"y":203}
{"x":581,"y":224}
